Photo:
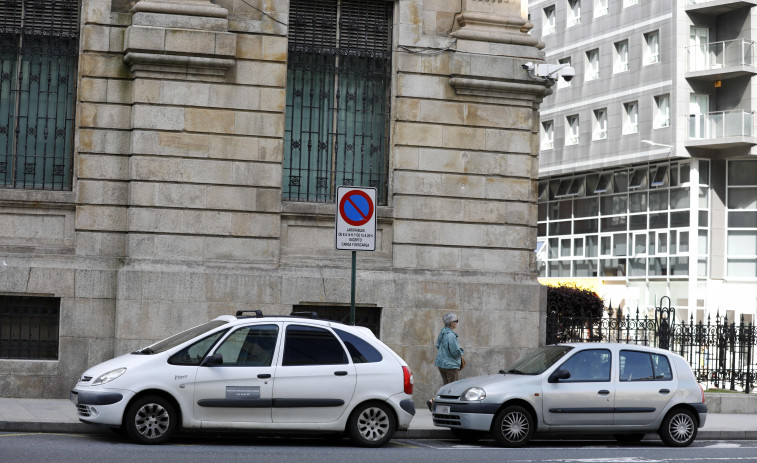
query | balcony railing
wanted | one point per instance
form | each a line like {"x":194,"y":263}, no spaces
{"x":719,"y":55}
{"x":721,"y":124}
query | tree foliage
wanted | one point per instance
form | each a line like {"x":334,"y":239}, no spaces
{"x":572,"y":301}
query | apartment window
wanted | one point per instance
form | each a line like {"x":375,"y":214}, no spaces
{"x":562,"y":83}
{"x":630,"y":117}
{"x":627,"y":3}
{"x":574,"y":13}
{"x":600,"y":8}
{"x":547,"y":135}
{"x":337,"y":98}
{"x":651,"y":48}
{"x":592,"y":64}
{"x":599,"y":129}
{"x":549,"y":20}
{"x":621,"y":56}
{"x":742,"y":219}
{"x":572,"y":130}
{"x":661,"y":111}
{"x":29,"y":327}
{"x":39,"y":47}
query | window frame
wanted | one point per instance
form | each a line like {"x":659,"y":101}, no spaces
{"x":651,"y":54}
{"x":621,"y":57}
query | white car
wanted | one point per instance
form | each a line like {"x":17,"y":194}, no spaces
{"x":597,"y":388}
{"x":253,"y":373}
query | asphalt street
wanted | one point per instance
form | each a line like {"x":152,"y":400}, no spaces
{"x":37,"y":447}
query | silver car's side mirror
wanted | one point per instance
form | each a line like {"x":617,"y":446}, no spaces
{"x":559,"y":375}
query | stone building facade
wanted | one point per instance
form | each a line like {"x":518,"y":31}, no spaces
{"x":180,"y":204}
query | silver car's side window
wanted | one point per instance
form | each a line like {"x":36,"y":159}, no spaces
{"x":643,"y":366}
{"x":588,"y":365}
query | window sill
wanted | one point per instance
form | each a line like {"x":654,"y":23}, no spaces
{"x":37,"y":198}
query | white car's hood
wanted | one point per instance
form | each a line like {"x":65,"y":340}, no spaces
{"x":124,"y":361}
{"x":487,"y":382}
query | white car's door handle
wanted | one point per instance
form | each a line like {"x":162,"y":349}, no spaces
{"x":664,"y":391}
{"x":340,"y":373}
{"x":604,"y":392}
{"x":264,"y":376}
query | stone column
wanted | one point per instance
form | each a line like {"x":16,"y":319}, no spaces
{"x":465,"y":186}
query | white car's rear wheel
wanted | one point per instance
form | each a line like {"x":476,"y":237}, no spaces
{"x":372,"y":424}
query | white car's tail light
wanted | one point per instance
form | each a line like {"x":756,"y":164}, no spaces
{"x":701,"y":389}
{"x":408,"y":379}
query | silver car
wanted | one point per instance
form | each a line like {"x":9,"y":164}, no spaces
{"x":618,"y":389}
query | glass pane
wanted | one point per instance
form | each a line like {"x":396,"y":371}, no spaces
{"x":703,"y":218}
{"x":742,"y":268}
{"x":620,"y":244}
{"x":679,"y":198}
{"x":606,"y":245}
{"x":679,"y":265}
{"x":683,"y":239}
{"x":702,"y":241}
{"x":662,"y":243}
{"x":638,"y":267}
{"x":742,"y":243}
{"x":742,"y":198}
{"x":585,"y":268}
{"x":307,"y":345}
{"x":742,"y":172}
{"x":742,"y":219}
{"x":640,"y":244}
{"x":658,"y":266}
{"x":578,"y":247}
{"x":637,"y":202}
{"x":586,"y":207}
{"x":679,"y":219}
{"x":585,"y":226}
{"x":553,"y":248}
{"x":565,"y":248}
{"x":658,"y":220}
{"x":658,"y":200}
{"x":614,"y":224}
{"x":613,"y":267}
{"x":617,"y":204}
{"x":592,"y":247}
{"x":638,"y":222}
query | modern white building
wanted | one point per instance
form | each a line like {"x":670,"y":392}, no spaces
{"x":648,"y":179}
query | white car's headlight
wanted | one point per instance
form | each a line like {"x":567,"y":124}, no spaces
{"x":473,"y":393}
{"x":108,"y":377}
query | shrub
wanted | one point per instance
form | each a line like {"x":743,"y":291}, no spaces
{"x":572,"y":301}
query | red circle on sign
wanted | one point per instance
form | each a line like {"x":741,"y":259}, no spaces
{"x":365,"y":217}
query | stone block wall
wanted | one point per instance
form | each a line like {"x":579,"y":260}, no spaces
{"x":176,"y":214}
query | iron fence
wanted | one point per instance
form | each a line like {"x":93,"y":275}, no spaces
{"x":721,"y":352}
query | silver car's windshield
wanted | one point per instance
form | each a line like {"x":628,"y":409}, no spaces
{"x":180,"y":338}
{"x":537,"y":361}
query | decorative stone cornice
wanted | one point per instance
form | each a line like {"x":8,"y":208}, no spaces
{"x":180,"y":39}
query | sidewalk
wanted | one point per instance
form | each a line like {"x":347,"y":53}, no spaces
{"x":59,"y":416}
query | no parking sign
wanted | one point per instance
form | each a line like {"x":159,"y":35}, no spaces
{"x":356,"y":218}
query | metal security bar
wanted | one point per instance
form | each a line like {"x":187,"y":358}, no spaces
{"x":29,"y":327}
{"x":39,"y":45}
{"x":337,"y":125}
{"x":722,"y":353}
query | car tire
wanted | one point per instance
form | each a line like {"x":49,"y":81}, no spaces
{"x":629,"y":438}
{"x":372,"y":424}
{"x":679,"y":428}
{"x":151,"y":420}
{"x":467,"y":436}
{"x":513,"y":427}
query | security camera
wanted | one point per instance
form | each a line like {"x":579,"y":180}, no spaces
{"x":549,"y":72}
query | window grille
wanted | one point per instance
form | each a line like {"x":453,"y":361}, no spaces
{"x":39,"y":46}
{"x":369,"y":317}
{"x":337,"y":103}
{"x":29,"y":327}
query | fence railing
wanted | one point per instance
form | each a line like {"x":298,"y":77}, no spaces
{"x":721,"y":353}
{"x":718,"y":55}
{"x":721,"y":124}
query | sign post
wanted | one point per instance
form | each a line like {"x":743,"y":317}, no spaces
{"x":355,"y":227}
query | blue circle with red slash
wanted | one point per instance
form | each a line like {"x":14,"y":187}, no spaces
{"x":356,"y":208}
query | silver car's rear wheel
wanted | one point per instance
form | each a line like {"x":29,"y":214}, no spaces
{"x":151,"y":420}
{"x":513,"y":427}
{"x":679,"y":428}
{"x":372,"y":424}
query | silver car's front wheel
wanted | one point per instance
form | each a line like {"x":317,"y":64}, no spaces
{"x":151,"y":420}
{"x":372,"y":424}
{"x":513,"y":427}
{"x":679,"y":428}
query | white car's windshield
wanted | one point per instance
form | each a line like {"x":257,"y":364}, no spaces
{"x":536,"y":362}
{"x":184,"y":336}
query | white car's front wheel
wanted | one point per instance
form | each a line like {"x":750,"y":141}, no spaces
{"x":372,"y":424}
{"x":151,"y":420}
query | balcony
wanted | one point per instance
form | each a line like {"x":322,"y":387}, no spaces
{"x":721,"y":60}
{"x":722,"y":130}
{"x":716,"y":7}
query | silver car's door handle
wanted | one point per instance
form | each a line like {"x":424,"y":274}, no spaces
{"x":604,"y":392}
{"x":664,"y":391}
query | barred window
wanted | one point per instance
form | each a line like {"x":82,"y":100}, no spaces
{"x":39,"y":46}
{"x":337,"y":104}
{"x":29,"y":327}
